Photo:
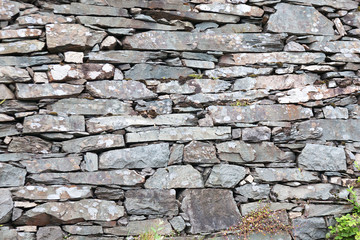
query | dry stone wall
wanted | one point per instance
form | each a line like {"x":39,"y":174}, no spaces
{"x":122,"y":114}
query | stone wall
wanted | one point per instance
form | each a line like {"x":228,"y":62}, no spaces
{"x":120,"y":114}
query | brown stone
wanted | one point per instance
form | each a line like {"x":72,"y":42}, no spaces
{"x":20,"y":33}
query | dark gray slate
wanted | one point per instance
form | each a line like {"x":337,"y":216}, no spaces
{"x":148,"y":71}
{"x":286,"y":175}
{"x":6,"y":205}
{"x":309,"y":228}
{"x":11,"y":176}
{"x":29,"y":144}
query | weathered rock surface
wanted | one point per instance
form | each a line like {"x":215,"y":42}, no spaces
{"x":25,"y":61}
{"x":83,"y":230}
{"x":342,"y":4}
{"x":20,"y":33}
{"x":253,"y":191}
{"x":256,"y":134}
{"x":210,"y":209}
{"x":124,"y":56}
{"x":13,"y":74}
{"x":11,"y":176}
{"x":335,"y":113}
{"x":318,"y":210}
{"x":26,"y":46}
{"x":8,"y":130}
{"x":336,"y":46}
{"x":352,"y":19}
{"x":286,"y":175}
{"x":6,"y":205}
{"x":202,"y":98}
{"x":310,"y":228}
{"x":175,"y":177}
{"x":50,"y":123}
{"x":151,"y":201}
{"x":273,"y":206}
{"x":6,"y":93}
{"x":225,"y":176}
{"x":200,"y":152}
{"x":150,"y":156}
{"x":29,"y":144}
{"x":88,"y":71}
{"x":239,"y":9}
{"x":85,"y":9}
{"x":140,"y":227}
{"x":8,"y":9}
{"x":232,"y":72}
{"x":51,"y":232}
{"x":194,"y":86}
{"x":63,"y":164}
{"x":148,"y":71}
{"x":49,"y":90}
{"x":52,"y":192}
{"x":43,"y":19}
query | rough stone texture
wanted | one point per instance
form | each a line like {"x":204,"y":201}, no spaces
{"x":225,"y":176}
{"x":256,"y":134}
{"x":139,"y":227}
{"x":8,"y":9}
{"x":286,"y":175}
{"x":240,"y":9}
{"x":50,"y":123}
{"x":237,"y":71}
{"x":6,"y":205}
{"x":6,"y":93}
{"x":336,"y":46}
{"x":273,"y":206}
{"x":318,"y":210}
{"x":11,"y":176}
{"x":194,"y":86}
{"x":13,"y":74}
{"x":25,"y":61}
{"x":52,"y":232}
{"x":88,"y":71}
{"x":150,"y":156}
{"x":50,"y":90}
{"x":63,"y":164}
{"x":43,"y":19}
{"x":253,"y":191}
{"x":29,"y":144}
{"x":147,"y":71}
{"x":210,"y":209}
{"x":85,"y":9}
{"x":199,"y":152}
{"x":309,"y":228}
{"x":26,"y":46}
{"x":335,"y":113}
{"x":124,"y":56}
{"x":83,"y":230}
{"x":352,"y":19}
{"x":151,"y":201}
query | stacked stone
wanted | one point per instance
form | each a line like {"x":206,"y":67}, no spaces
{"x":121,"y":115}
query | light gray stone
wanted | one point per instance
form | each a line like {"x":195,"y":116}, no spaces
{"x":322,"y":158}
{"x":159,"y":107}
{"x":237,"y":28}
{"x":25,"y":46}
{"x":335,"y":113}
{"x":237,"y":71}
{"x":49,"y":90}
{"x":25,"y":61}
{"x":148,"y":71}
{"x":178,"y":223}
{"x":62,"y":164}
{"x":88,"y":71}
{"x":43,"y":18}
{"x":150,"y":156}
{"x":50,"y":123}
{"x":199,"y":56}
{"x":200,"y":153}
{"x":231,"y":9}
{"x":198,"y":64}
{"x":256,"y":134}
{"x":124,"y":56}
{"x":310,"y":228}
{"x":194,"y":86}
{"x":84,"y":9}
{"x":273,"y":206}
{"x":176,"y":154}
{"x":8,"y":9}
{"x":318,"y":210}
{"x":140,"y":227}
{"x":5,"y":92}
{"x":11,"y":176}
{"x":226,"y":96}
{"x":336,"y":46}
{"x":6,"y":205}
{"x":339,"y":4}
{"x":253,"y":191}
{"x":286,"y":175}
{"x":352,"y":19}
{"x":29,"y":144}
{"x":8,"y":130}
{"x":83,"y":230}
{"x":225,"y":176}
{"x":90,"y":163}
{"x":13,"y":74}
{"x":294,"y":47}
{"x":51,"y":232}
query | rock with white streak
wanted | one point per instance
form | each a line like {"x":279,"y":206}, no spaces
{"x":335,"y":113}
{"x":88,"y":71}
{"x":50,"y":123}
{"x":237,"y":71}
{"x":124,"y":56}
{"x":200,"y":153}
{"x":286,"y":175}
{"x":8,"y":9}
{"x":43,"y":19}
{"x":50,"y":90}
{"x":336,"y":47}
{"x":194,"y":86}
{"x":13,"y":74}
{"x":20,"y":33}
{"x":239,"y":9}
{"x":26,"y":46}
{"x":62,"y":164}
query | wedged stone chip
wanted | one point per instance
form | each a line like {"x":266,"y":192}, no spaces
{"x":180,"y":134}
{"x":8,"y":130}
{"x":150,"y":156}
{"x":241,"y":152}
{"x":125,"y":90}
{"x":338,"y":4}
{"x":115,"y":22}
{"x":8,"y":9}
{"x":194,"y":86}
{"x":273,"y":206}
{"x":63,"y":164}
{"x":26,"y":46}
{"x":148,"y":71}
{"x":308,"y":93}
{"x":140,"y":227}
{"x":13,"y":74}
{"x":256,"y":134}
{"x":255,"y":113}
{"x":13,"y":106}
{"x":310,"y":228}
{"x":286,"y":175}
{"x":90,"y":107}
{"x":72,"y":212}
{"x":6,"y":205}
{"x":160,"y":107}
{"x":232,"y":72}
{"x":193,"y":16}
{"x":83,"y":230}
{"x":119,"y":177}
{"x":210,"y":209}
{"x":272,"y":58}
{"x":11,"y":176}
{"x":85,"y":9}
{"x":151,"y":201}
{"x":200,"y":152}
{"x":51,"y":192}
{"x":225,"y":176}
{"x":25,"y":61}
{"x":43,"y":19}
{"x":231,"y":9}
{"x":124,"y":56}
{"x":198,"y":64}
{"x":109,"y":193}
{"x":5,"y":92}
{"x":175,"y":177}
{"x":29,"y":144}
{"x":321,"y":191}
{"x":286,"y":16}
{"x":186,"y":41}
{"x":49,"y":90}
{"x":199,"y":56}
{"x":93,"y":143}
{"x":352,"y":19}
{"x":50,"y":123}
{"x":336,"y":46}
{"x":96,"y":125}
{"x":20,"y":33}
{"x":226,"y":96}
{"x":253,"y":191}
{"x":88,"y":71}
{"x":322,"y":158}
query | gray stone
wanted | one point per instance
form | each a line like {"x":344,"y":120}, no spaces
{"x":194,"y":86}
{"x":6,"y":118}
{"x":198,"y":56}
{"x":322,"y":158}
{"x":175,"y":177}
{"x":225,"y":176}
{"x":123,"y":177}
{"x":50,"y":123}
{"x":29,"y":144}
{"x":8,"y":130}
{"x":151,"y":201}
{"x":100,"y":124}
{"x":6,"y":93}
{"x":176,"y":154}
{"x":178,"y":223}
{"x":272,"y":58}
{"x":6,"y":205}
{"x":8,"y":9}
{"x":256,"y":134}
{"x":90,"y":163}
{"x":345,"y":57}
{"x":140,"y":227}
{"x":283,"y":20}
{"x":273,"y":206}
{"x":150,"y":156}
{"x":109,"y":193}
{"x":63,"y":164}
{"x":226,"y":96}
{"x":121,"y":31}
{"x":83,"y":230}
{"x":210,"y":209}
{"x":318,"y":210}
{"x":203,"y":41}
{"x":25,"y":46}
{"x":180,"y":134}
{"x":294,"y":47}
{"x":352,"y":19}
{"x":51,"y":232}
{"x":148,"y":71}
{"x":49,"y":90}
{"x":51,"y":192}
{"x":88,"y":71}
{"x":73,"y":212}
{"x":339,"y":4}
{"x":237,"y":28}
{"x":286,"y":175}
{"x":85,"y":9}
{"x":11,"y":176}
{"x":13,"y":74}
{"x":257,"y":236}
{"x":130,"y":90}
{"x":255,"y":113}
{"x":321,"y":191}
{"x":310,"y":228}
{"x":43,"y":19}
{"x":198,"y":64}
{"x":336,"y":46}
{"x":200,"y":153}
{"x":159,"y":107}
{"x":15,"y":157}
{"x":124,"y":56}
{"x":25,"y":61}
{"x":231,"y":9}
{"x":253,"y":191}
{"x":237,"y":71}
{"x":93,"y":143}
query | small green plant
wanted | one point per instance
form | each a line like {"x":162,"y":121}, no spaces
{"x":152,"y":233}
{"x":196,"y":76}
{"x":240,"y":103}
{"x":2,"y":101}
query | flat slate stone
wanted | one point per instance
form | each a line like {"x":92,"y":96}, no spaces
{"x":11,"y":176}
{"x":256,"y":113}
{"x":6,"y":205}
{"x":322,"y":158}
{"x":6,"y":93}
{"x":180,"y":134}
{"x":83,"y":230}
{"x":8,"y":9}
{"x":352,"y":18}
{"x":96,"y":125}
{"x":29,"y":144}
{"x":20,"y":33}
{"x":51,"y":192}
{"x":194,"y":86}
{"x":48,"y":90}
{"x":62,"y":164}
{"x":206,"y":98}
{"x":8,"y":130}
{"x":50,"y":123}
{"x":88,"y":71}
{"x":237,"y":71}
{"x":200,"y":153}
{"x":336,"y":46}
{"x":148,"y":71}
{"x":151,"y":201}
{"x":25,"y":46}
{"x":186,"y":41}
{"x":210,"y":209}
{"x":119,"y":177}
{"x":286,"y":175}
{"x":273,"y":206}
{"x":43,"y":19}
{"x":140,"y":227}
{"x":25,"y":61}
{"x":85,"y":9}
{"x":338,"y":4}
{"x":286,"y":20}
{"x":150,"y":156}
{"x":124,"y":90}
{"x":13,"y":74}
{"x":253,"y":191}
{"x":225,"y":176}
{"x":184,"y":176}
{"x":124,"y":56}
{"x":231,"y":9}
{"x":310,"y":228}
